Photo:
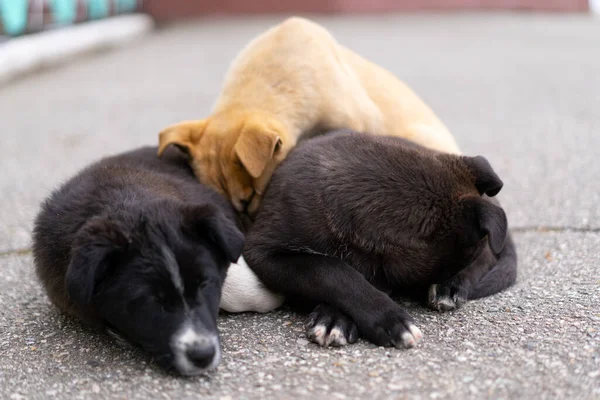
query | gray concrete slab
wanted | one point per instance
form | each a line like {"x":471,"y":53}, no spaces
{"x":540,"y":339}
{"x":519,"y":89}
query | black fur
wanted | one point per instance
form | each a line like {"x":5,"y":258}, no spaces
{"x":349,"y":219}
{"x":101,"y":244}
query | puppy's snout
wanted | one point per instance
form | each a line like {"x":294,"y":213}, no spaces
{"x":195,"y":351}
{"x":201,"y":355}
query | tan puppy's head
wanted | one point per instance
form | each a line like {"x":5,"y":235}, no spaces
{"x":235,"y":154}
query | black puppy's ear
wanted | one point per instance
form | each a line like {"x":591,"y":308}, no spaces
{"x":209,"y":222}
{"x":96,"y":244}
{"x":486,"y":180}
{"x":489,"y":220}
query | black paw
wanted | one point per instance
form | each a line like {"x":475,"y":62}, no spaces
{"x":446,"y":296}
{"x":393,"y":327}
{"x":327,"y":326}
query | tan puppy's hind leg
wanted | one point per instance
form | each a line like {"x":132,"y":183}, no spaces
{"x":344,"y":101}
{"x":348,"y":105}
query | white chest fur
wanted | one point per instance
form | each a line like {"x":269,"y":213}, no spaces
{"x":243,"y":291}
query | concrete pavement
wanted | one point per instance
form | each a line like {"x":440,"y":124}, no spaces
{"x":523,"y":90}
{"x":29,"y":53}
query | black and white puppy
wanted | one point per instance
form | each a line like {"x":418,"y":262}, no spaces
{"x":136,"y":245}
{"x":350,"y":219}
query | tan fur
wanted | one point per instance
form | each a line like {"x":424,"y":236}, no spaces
{"x":292,"y":80}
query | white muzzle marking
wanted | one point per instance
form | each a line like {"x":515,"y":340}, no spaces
{"x":186,"y":339}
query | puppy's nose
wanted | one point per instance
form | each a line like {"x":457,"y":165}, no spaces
{"x":201,"y":356}
{"x":245,"y":204}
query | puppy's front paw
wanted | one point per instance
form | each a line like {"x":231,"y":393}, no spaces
{"x":446,"y":296}
{"x":328,"y":326}
{"x":393,"y":327}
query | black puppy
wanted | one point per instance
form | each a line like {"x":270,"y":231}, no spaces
{"x":134,"y":244}
{"x":349,"y":219}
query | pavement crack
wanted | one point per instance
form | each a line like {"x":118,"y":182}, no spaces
{"x":547,"y":228}
{"x":19,"y":252}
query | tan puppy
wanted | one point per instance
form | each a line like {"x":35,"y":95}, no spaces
{"x":295,"y":80}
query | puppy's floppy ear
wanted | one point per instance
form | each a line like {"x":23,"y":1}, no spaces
{"x":209,"y":222}
{"x":486,"y":180}
{"x":96,"y":245}
{"x":183,"y":135}
{"x":256,"y":146}
{"x":488,"y":219}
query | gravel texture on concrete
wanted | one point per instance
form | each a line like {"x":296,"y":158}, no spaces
{"x":522,"y":90}
{"x":540,"y":339}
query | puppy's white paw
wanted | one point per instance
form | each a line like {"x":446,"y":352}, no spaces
{"x":445,"y":303}
{"x":336,"y":337}
{"x":416,"y":332}
{"x":318,"y":334}
{"x":324,"y":337}
{"x":327,"y":326}
{"x":412,"y":337}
